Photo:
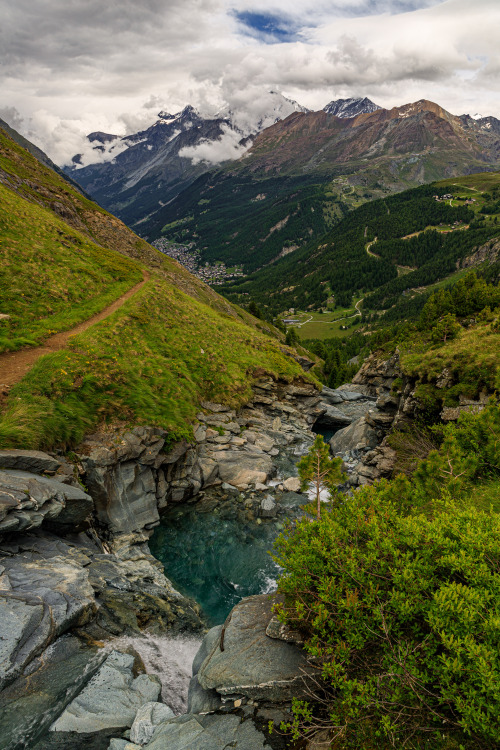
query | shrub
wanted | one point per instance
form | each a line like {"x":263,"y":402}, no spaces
{"x":402,"y":615}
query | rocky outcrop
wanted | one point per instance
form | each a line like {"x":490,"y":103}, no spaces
{"x":245,"y":663}
{"x":110,"y":700}
{"x":29,"y":500}
{"x":75,"y":567}
{"x":132,"y":477}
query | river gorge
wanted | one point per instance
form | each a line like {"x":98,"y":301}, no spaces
{"x":108,"y":588}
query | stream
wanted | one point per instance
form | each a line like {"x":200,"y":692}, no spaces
{"x":218,"y":550}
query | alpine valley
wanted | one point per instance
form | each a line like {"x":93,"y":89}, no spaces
{"x":261,"y":512}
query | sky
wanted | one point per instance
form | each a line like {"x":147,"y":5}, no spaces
{"x":70,"y":67}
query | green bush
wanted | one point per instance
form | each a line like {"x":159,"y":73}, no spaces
{"x":397,"y":594}
{"x":402,"y":615}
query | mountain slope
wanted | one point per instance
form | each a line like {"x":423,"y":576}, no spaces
{"x":135,"y":175}
{"x":379,"y":251}
{"x":350,"y":160}
{"x":151,"y":361}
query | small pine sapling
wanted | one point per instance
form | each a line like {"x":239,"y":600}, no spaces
{"x":319,"y":469}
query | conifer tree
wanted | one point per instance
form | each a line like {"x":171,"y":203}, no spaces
{"x":319,"y":469}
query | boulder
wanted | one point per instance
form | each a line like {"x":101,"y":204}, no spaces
{"x":111,"y":698}
{"x":28,"y":500}
{"x":201,"y":701}
{"x":30,"y":704}
{"x":147,"y":719}
{"x":330,"y":396}
{"x":252,"y":664}
{"x":333,"y":416}
{"x":35,"y":462}
{"x":77,"y":504}
{"x":241,"y":469}
{"x":41,"y":600}
{"x":192,"y":731}
{"x":267,"y":507}
{"x":357,"y":436}
{"x":292,"y":484}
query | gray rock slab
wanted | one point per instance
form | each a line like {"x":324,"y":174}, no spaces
{"x":334,"y":416}
{"x":44,"y":598}
{"x":201,"y":701}
{"x":194,"y":732}
{"x":77,"y":504}
{"x":33,"y":461}
{"x":208,"y":643}
{"x":30,"y":704}
{"x":252,"y":664}
{"x":111,"y":698}
{"x":356,"y":436}
{"x":124,"y":495}
{"x":330,"y":396}
{"x":147,"y":718}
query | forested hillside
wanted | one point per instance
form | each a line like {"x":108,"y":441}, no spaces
{"x":378,"y":251}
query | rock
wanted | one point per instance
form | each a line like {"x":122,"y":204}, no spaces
{"x":28,"y":500}
{"x":147,"y":719}
{"x":301,"y":390}
{"x":387,"y":402}
{"x":292,"y":484}
{"x":123,"y":745}
{"x":267,"y":507}
{"x":357,"y":436}
{"x":194,"y":732}
{"x":330,"y":396}
{"x":30,"y":704}
{"x":252,"y":664}
{"x":44,"y":599}
{"x":333,"y":416}
{"x":35,"y":462}
{"x":202,"y":701}
{"x":179,"y":450}
{"x":124,"y":495}
{"x":111,"y":698}
{"x":352,"y":395}
{"x":216,"y":408}
{"x":77,"y":504}
{"x":282,"y":632}
{"x":208,"y":643}
{"x":376,"y":418}
{"x":239,"y":468}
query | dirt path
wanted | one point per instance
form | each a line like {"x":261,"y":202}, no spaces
{"x":15,"y":365}
{"x":368,"y":246}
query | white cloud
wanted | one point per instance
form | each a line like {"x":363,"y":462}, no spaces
{"x":214,"y":152}
{"x":111,"y":66}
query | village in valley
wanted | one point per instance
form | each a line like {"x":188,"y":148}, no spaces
{"x":189,"y":257}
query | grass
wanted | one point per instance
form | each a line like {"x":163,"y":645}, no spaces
{"x":326,"y":325}
{"x":51,"y":276}
{"x":472,"y":358}
{"x":151,"y":362}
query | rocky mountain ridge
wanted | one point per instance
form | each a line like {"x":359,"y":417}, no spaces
{"x":352,"y":107}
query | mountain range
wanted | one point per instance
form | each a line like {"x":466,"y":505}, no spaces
{"x":163,"y":182}
{"x":135,"y":175}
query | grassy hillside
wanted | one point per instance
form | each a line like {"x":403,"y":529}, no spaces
{"x":173,"y":344}
{"x":51,"y":276}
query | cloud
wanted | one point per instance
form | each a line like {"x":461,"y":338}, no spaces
{"x":12,"y":117}
{"x":69,"y":68}
{"x":214,"y":152}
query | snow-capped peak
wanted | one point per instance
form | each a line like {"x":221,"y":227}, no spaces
{"x":351,"y":107}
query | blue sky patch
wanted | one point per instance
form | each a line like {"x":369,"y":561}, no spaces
{"x":267,"y":27}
